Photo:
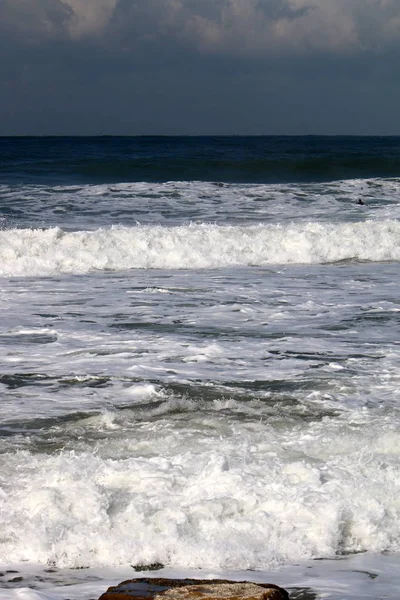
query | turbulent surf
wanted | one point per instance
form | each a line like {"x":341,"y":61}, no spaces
{"x":199,"y":363}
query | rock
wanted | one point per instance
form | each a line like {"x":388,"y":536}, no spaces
{"x":152,"y":567}
{"x":193,"y":589}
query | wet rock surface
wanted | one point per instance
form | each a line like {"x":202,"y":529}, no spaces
{"x":193,"y":589}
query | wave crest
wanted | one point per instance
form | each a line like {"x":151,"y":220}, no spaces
{"x":36,"y":252}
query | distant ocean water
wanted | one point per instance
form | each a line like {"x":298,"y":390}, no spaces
{"x":200,"y":363}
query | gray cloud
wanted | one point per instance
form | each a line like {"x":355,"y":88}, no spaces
{"x":33,"y":20}
{"x":219,"y":27}
{"x":259,"y":28}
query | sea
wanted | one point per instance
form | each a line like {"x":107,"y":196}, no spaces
{"x":200,"y":363}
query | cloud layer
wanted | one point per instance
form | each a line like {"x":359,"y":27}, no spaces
{"x":252,"y":28}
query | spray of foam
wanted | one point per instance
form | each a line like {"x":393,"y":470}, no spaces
{"x":247,"y":500}
{"x":52,"y":251}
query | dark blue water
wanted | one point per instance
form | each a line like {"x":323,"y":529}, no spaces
{"x":269,"y":159}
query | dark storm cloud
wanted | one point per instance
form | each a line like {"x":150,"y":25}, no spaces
{"x":192,"y":66}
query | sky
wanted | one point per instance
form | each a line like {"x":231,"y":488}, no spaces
{"x":199,"y":67}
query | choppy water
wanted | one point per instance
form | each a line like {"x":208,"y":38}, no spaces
{"x":202,"y":373}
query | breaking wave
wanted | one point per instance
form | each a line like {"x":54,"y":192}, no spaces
{"x":25,"y":252}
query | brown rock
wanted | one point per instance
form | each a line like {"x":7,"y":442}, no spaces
{"x":193,"y":589}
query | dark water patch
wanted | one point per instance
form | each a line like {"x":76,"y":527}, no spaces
{"x":378,"y":317}
{"x":277,"y":414}
{"x":11,"y":211}
{"x":82,"y":301}
{"x":242,"y":403}
{"x":265,"y":159}
{"x":41,"y":424}
{"x":8,"y":432}
{"x":242,"y":392}
{"x":306,"y":356}
{"x":196,"y":391}
{"x":338,"y":327}
{"x":369,"y":574}
{"x":177,"y":327}
{"x":322,"y":358}
{"x":184,"y":405}
{"x":28,"y":338}
{"x":85,"y":382}
{"x":297,"y":593}
{"x":277,"y":385}
{"x":104,"y":351}
{"x":17,"y":380}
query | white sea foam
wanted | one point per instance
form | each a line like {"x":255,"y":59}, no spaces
{"x":52,"y":251}
{"x":246,"y":496}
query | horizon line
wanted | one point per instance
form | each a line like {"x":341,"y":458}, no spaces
{"x":197,"y":135}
